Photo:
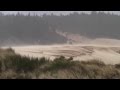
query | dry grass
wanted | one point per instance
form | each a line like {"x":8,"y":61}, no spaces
{"x":14,"y":66}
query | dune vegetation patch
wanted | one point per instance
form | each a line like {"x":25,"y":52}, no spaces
{"x":14,"y":66}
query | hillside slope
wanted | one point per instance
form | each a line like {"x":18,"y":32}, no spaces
{"x":24,"y":30}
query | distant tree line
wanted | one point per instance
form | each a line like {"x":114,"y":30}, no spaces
{"x":35,"y":29}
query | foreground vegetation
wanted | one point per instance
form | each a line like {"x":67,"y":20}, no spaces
{"x":13,"y":66}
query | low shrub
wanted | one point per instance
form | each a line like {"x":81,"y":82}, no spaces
{"x":61,"y":63}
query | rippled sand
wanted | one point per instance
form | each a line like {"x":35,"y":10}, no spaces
{"x":108,"y":54}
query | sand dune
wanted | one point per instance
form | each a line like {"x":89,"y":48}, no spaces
{"x":109,"y":54}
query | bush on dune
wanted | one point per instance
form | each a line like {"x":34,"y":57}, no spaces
{"x":60,"y":63}
{"x":22,"y":63}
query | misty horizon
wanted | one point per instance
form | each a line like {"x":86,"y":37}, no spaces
{"x":40,"y":13}
{"x":73,"y":28}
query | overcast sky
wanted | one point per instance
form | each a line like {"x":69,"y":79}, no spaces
{"x":54,"y":12}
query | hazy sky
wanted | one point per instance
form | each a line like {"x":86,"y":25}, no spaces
{"x":54,"y":12}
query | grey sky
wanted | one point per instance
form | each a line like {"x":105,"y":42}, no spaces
{"x":54,"y":12}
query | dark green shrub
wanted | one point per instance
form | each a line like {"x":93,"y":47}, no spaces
{"x":22,"y":63}
{"x":61,"y":63}
{"x":43,"y":60}
{"x":70,"y":59}
{"x":0,"y":65}
{"x":19,"y":63}
{"x":117,"y":66}
{"x":10,"y":50}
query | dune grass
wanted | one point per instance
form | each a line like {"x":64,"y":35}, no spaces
{"x":13,"y":66}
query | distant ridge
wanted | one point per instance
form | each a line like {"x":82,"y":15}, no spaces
{"x":19,"y":29}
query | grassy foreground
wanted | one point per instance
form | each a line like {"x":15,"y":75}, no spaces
{"x":13,"y":66}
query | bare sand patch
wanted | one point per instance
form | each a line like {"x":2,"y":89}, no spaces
{"x":107,"y":54}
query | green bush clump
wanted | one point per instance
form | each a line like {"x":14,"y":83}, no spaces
{"x":0,"y":65}
{"x":61,"y":63}
{"x":117,"y":66}
{"x":22,"y":63}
